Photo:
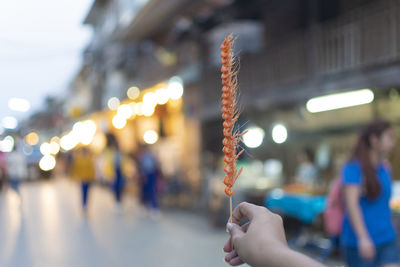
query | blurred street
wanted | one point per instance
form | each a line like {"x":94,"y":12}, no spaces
{"x":53,"y":232}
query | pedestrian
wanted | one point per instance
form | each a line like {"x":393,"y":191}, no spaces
{"x":150,"y":174}
{"x":84,"y":172}
{"x":368,"y":237}
{"x":114,"y":169}
{"x":306,"y":172}
{"x":16,"y":169}
{"x":261,"y":241}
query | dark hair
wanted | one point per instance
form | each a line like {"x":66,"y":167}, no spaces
{"x":308,"y":153}
{"x":112,"y":141}
{"x":361,"y":152}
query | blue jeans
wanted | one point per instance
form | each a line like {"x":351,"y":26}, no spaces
{"x":14,"y":184}
{"x":118,"y":185}
{"x":85,"y":193}
{"x":385,"y":254}
{"x":150,"y":191}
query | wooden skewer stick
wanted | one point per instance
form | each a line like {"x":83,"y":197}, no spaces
{"x":230,"y":208}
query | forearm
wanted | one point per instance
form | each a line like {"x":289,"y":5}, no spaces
{"x":288,"y":258}
{"x":357,"y":220}
{"x":352,"y":198}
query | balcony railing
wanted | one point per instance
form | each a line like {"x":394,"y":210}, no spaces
{"x":365,"y":37}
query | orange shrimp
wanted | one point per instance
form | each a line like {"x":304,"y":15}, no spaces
{"x":230,"y":114}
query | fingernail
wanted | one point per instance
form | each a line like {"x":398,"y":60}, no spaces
{"x":229,"y":226}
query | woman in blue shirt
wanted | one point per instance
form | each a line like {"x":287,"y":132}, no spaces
{"x":368,"y":236}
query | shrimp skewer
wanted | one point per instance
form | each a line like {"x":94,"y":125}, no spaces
{"x":230,"y":115}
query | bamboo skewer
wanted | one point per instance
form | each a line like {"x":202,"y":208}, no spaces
{"x":230,"y":209}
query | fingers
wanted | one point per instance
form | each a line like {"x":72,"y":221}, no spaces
{"x":367,"y":251}
{"x":236,"y":261}
{"x":233,"y":258}
{"x":236,"y":232}
{"x":228,"y":246}
{"x":243,"y":210}
{"x":231,"y":255}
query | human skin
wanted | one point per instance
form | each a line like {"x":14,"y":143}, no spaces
{"x":261,"y":242}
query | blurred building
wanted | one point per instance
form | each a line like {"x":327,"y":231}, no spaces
{"x":290,"y":51}
{"x":306,"y":49}
{"x":116,"y":60}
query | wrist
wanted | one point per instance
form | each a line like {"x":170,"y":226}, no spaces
{"x":286,"y":257}
{"x":274,"y":257}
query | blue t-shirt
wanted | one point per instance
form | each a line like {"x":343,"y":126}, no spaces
{"x":376,"y":213}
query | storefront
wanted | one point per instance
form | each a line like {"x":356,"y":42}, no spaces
{"x":274,"y":160}
{"x":151,"y":118}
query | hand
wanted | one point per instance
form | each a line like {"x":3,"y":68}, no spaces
{"x":232,"y":257}
{"x":366,"y":248}
{"x":260,"y":241}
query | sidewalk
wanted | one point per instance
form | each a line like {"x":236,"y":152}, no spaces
{"x":51,"y":231}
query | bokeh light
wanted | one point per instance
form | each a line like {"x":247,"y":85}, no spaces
{"x":139,"y":109}
{"x":47,"y":163}
{"x":150,"y":137}
{"x":19,"y":104}
{"x":68,"y":142}
{"x":175,"y":88}
{"x":279,"y":134}
{"x":132,"y":106}
{"x":32,"y":138}
{"x":87,"y":132}
{"x":254,"y":137}
{"x":133,"y":92}
{"x":162,"y":96}
{"x":9,"y":122}
{"x":149,"y":99}
{"x":148,"y":110}
{"x":119,"y":122}
{"x":7,"y":144}
{"x":55,"y":139}
{"x":54,"y":148}
{"x":113,"y":103}
{"x":125,"y":111}
{"x":45,"y":149}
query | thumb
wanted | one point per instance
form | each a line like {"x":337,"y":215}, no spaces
{"x":235,"y":230}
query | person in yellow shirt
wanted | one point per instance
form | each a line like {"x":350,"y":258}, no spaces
{"x":83,"y":171}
